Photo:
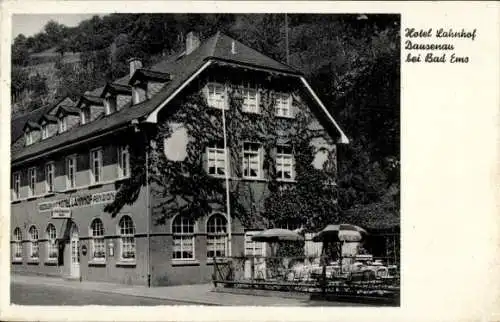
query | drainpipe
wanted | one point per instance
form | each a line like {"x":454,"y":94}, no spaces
{"x":148,"y":208}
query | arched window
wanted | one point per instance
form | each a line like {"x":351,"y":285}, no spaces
{"x":216,"y":236}
{"x":33,"y":235}
{"x":98,"y":251}
{"x":183,"y":235}
{"x":52,"y":249}
{"x":127,"y":238}
{"x":17,"y":250}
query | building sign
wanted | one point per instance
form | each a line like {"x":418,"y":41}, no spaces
{"x":78,"y":201}
{"x":61,"y":213}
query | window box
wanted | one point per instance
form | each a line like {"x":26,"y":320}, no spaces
{"x":98,"y":263}
{"x":185,"y":262}
{"x":17,"y":261}
{"x":126,"y":263}
{"x":50,"y":262}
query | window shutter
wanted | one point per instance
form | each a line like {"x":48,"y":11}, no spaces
{"x":204,"y":159}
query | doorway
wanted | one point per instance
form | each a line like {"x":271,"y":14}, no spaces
{"x":75,"y":253}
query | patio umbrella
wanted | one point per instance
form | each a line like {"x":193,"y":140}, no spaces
{"x":277,"y":235}
{"x":341,"y":232}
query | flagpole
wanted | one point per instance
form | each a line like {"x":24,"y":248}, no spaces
{"x":226,"y":171}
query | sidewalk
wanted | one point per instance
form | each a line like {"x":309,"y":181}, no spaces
{"x":198,"y":294}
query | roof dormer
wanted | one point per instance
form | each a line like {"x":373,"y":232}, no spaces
{"x":31,"y":132}
{"x":145,"y":83}
{"x":110,"y":94}
{"x":67,"y":117}
{"x":49,"y":125}
{"x":91,"y":108}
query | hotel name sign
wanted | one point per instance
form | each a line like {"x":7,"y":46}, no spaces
{"x":78,"y":201}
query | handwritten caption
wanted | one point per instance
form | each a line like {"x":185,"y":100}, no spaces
{"x":436,"y":46}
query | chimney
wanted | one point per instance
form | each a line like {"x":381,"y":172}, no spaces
{"x":192,"y":42}
{"x":135,"y":63}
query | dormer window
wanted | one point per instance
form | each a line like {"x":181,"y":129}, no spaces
{"x":111,"y":94}
{"x":45,"y":131}
{"x":85,"y":115}
{"x":31,"y":132}
{"x":28,"y":136}
{"x":63,"y":124}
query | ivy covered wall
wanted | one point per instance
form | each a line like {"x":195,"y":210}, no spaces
{"x":180,"y":183}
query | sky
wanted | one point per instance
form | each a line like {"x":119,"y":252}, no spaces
{"x":30,"y":24}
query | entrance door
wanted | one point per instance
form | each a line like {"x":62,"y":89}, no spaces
{"x":75,"y":254}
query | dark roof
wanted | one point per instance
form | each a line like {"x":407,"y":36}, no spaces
{"x":89,"y":99}
{"x":216,"y":47}
{"x":115,"y":88}
{"x":49,"y":118}
{"x":145,"y":74}
{"x":32,"y":125}
{"x":17,"y":123}
{"x":68,"y":109}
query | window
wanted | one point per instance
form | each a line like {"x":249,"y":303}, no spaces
{"x":45,"y":131}
{"x":284,"y":163}
{"x":16,"y":180}
{"x":123,"y":162}
{"x":183,"y":234}
{"x":216,"y":236}
{"x":49,"y":177}
{"x":98,"y":250}
{"x":127,"y":239}
{"x":63,"y":124}
{"x":28,"y":136}
{"x":32,"y":181}
{"x":96,"y":166}
{"x":85,"y":115}
{"x":216,"y":160}
{"x":250,"y":100}
{"x":52,"y":250}
{"x":70,"y":172}
{"x":33,"y":234}
{"x":17,"y":246}
{"x":217,"y":96}
{"x":251,"y":160}
{"x":253,"y":248}
{"x":283,"y":105}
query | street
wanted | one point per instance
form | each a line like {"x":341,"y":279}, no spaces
{"x":25,"y":294}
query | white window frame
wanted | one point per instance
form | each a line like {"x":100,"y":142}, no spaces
{"x":123,"y":161}
{"x":214,"y":100}
{"x":17,"y":251}
{"x":280,"y":107}
{"x":184,"y":234}
{"x":28,"y":136}
{"x":246,"y":96}
{"x":32,"y":182}
{"x":253,"y":245}
{"x":97,"y":243}
{"x":214,"y":153}
{"x":70,"y":179}
{"x":45,"y":131}
{"x":49,"y":174}
{"x":281,"y":158}
{"x":127,"y":239}
{"x":246,"y":159}
{"x":93,"y":178}
{"x":217,"y":235}
{"x":16,"y":187}
{"x":51,"y":234}
{"x":34,"y":246}
{"x":63,"y":123}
